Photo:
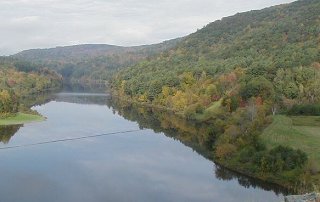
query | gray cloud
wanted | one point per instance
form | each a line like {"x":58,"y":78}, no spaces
{"x":29,"y":24}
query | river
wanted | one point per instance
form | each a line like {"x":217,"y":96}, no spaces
{"x":88,"y":150}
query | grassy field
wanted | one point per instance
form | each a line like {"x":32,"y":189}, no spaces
{"x":299,"y":132}
{"x":21,"y":118}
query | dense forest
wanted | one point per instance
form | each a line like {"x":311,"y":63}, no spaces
{"x":92,"y":63}
{"x":19,"y":80}
{"x":235,"y":74}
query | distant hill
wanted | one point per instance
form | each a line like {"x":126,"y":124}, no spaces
{"x":67,"y":52}
{"x":92,"y":62}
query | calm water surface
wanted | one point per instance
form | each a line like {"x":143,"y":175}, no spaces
{"x":136,"y":166}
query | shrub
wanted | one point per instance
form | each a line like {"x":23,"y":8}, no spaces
{"x":285,"y":158}
{"x":307,"y":110}
{"x":225,"y":150}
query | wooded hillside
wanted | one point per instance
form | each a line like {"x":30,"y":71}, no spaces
{"x":91,"y":62}
{"x":19,"y":81}
{"x":274,"y":49}
{"x":234,"y":74}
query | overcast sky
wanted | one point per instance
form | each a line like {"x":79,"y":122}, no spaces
{"x":27,"y":24}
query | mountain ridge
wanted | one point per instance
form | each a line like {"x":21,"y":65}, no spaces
{"x":91,"y":62}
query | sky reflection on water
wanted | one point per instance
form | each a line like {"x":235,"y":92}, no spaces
{"x":137,"y":166}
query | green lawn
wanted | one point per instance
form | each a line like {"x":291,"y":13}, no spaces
{"x":299,"y":132}
{"x":21,"y":118}
{"x":209,"y":111}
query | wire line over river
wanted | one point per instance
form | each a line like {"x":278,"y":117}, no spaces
{"x":68,"y":139}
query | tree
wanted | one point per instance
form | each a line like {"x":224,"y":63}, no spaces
{"x":258,"y":86}
{"x":224,"y":151}
{"x":252,"y":109}
{"x":313,"y":90}
{"x":291,"y":90}
{"x":8,"y":102}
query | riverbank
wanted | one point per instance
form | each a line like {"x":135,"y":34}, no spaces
{"x":285,"y":178}
{"x":21,"y":118}
{"x":297,"y":132}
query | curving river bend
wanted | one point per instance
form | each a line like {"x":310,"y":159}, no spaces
{"x":142,"y":165}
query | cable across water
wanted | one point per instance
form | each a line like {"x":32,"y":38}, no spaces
{"x":68,"y":139}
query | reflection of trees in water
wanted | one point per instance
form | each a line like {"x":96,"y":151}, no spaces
{"x":81,"y":94}
{"x":222,"y":173}
{"x":83,"y":87}
{"x":37,"y":99}
{"x":169,"y":124}
{"x":82,"y":98}
{"x":6,"y":132}
{"x":198,"y":136}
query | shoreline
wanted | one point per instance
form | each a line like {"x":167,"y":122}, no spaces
{"x":290,"y":188}
{"x":21,"y":118}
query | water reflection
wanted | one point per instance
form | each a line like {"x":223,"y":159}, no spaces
{"x":82,"y":98}
{"x":198,"y":136}
{"x":82,"y":87}
{"x":140,"y":166}
{"x":38,"y":98}
{"x":225,"y":174}
{"x":6,"y":133}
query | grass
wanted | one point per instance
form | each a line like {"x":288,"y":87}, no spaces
{"x":209,"y":111}
{"x":299,"y":132}
{"x":214,"y":106}
{"x":306,"y":120}
{"x":21,"y":118}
